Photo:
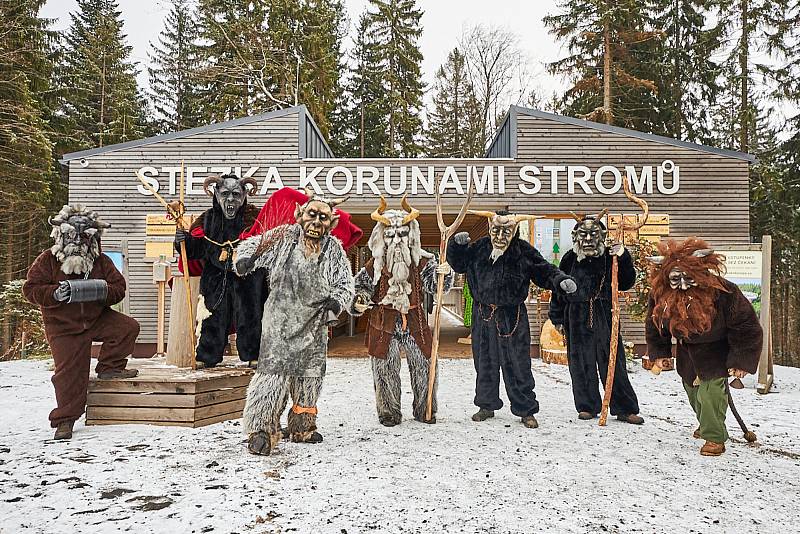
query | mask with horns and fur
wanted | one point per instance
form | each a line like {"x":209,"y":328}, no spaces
{"x":396,"y":243}
{"x":589,"y":235}
{"x":230,"y":192}
{"x":317,"y":216}
{"x":685,"y":283}
{"x":76,"y":235}
{"x":502,"y":229}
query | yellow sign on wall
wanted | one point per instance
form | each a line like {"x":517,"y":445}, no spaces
{"x":154,"y":249}
{"x":163,"y":225}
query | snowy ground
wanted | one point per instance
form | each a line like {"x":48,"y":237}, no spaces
{"x":456,"y":476}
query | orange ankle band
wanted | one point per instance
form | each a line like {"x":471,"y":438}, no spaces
{"x":304,"y":409}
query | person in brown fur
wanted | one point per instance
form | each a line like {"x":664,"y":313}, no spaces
{"x":709,"y":324}
{"x":75,"y":284}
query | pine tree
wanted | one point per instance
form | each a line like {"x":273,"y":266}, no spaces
{"x":364,"y":121}
{"x":25,"y":149}
{"x":261,"y":56}
{"x":174,"y":90}
{"x":394,"y":27}
{"x":102,"y":101}
{"x":455,"y":123}
{"x":609,"y":43}
{"x":685,"y":69}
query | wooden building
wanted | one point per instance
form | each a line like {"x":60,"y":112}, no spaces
{"x":538,"y":163}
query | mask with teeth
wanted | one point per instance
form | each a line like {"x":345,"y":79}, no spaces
{"x":230,"y":192}
{"x":317,"y":217}
{"x":589,"y":236}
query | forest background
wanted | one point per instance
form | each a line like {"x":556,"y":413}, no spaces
{"x":724,"y":73}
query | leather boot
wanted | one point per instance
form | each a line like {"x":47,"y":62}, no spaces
{"x":482,"y":415}
{"x":631,"y":418}
{"x":121,"y":373}
{"x":712,"y":449}
{"x":64,"y":430}
{"x":530,"y":422}
{"x":585,"y":416}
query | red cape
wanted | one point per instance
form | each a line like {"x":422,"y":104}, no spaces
{"x":279,"y":209}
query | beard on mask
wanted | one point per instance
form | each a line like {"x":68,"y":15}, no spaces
{"x":75,"y":258}
{"x":398,"y":263}
{"x":496,"y":253}
{"x":687,"y":312}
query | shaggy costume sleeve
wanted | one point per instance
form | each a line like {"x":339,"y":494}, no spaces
{"x":40,"y":282}
{"x":542,"y":272}
{"x":558,"y":302}
{"x":659,"y":344}
{"x":340,"y":279}
{"x":114,"y":280}
{"x":430,"y":279}
{"x":458,"y":256}
{"x":627,"y":272}
{"x":364,"y":287}
{"x":745,"y":335}
{"x":247,"y":248}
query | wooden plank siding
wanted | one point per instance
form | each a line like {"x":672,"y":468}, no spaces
{"x":712,"y":201}
{"x":109,"y":185}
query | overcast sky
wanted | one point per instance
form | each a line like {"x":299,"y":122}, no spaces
{"x":443,"y":22}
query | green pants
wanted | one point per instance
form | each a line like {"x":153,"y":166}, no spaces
{"x":709,"y":401}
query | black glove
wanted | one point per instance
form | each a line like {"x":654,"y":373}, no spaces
{"x":61,"y":293}
{"x":332,"y":305}
{"x":245,"y":265}
{"x":462,"y":238}
{"x":180,"y":237}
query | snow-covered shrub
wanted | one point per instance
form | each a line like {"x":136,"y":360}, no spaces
{"x":24,"y":321}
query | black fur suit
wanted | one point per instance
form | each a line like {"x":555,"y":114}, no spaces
{"x":588,"y":342}
{"x":501,"y":335}
{"x":226,"y":299}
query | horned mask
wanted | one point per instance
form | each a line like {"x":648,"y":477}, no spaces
{"x":317,"y":216}
{"x":230,"y":192}
{"x":76,"y":235}
{"x":589,"y":235}
{"x":502,"y":229}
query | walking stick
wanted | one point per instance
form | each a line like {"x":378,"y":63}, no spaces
{"x":176,"y":210}
{"x":446,"y":233}
{"x":749,"y":436}
{"x":615,"y":312}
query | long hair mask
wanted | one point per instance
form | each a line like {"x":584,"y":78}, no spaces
{"x":686,"y":312}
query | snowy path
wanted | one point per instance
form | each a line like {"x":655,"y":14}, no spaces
{"x":456,"y":476}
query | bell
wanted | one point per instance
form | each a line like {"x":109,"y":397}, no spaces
{"x":223,"y":256}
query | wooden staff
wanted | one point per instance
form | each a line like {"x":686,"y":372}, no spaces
{"x":176,"y":210}
{"x":615,"y":312}
{"x":446,"y":233}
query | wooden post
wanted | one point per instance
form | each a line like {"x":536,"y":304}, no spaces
{"x":162,"y":290}
{"x":765,"y":371}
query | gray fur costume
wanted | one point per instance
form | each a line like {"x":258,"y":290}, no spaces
{"x":294,"y":334}
{"x":396,"y":279}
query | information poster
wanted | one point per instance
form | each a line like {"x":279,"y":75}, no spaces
{"x":744,"y":270}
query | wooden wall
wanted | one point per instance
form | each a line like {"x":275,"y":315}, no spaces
{"x":712,"y":201}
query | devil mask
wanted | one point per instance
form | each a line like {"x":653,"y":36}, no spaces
{"x":230,"y":192}
{"x":589,"y":236}
{"x":317,"y":217}
{"x":76,"y":235}
{"x":502,"y":229}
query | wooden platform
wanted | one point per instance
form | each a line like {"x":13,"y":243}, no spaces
{"x":166,"y":395}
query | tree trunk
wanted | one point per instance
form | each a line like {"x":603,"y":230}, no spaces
{"x":362,"y":129}
{"x":607,"y":74}
{"x":677,"y":87}
{"x":103,"y":100}
{"x":744,"y":112}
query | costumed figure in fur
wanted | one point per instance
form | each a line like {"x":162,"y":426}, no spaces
{"x":75,"y":284}
{"x":310,"y":283}
{"x":392,"y":285}
{"x":584,"y":317}
{"x":226,"y":300}
{"x":708,"y":324}
{"x":499,"y":271}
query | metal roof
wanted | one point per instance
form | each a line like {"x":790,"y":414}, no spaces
{"x":627,"y":132}
{"x":301,"y":110}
